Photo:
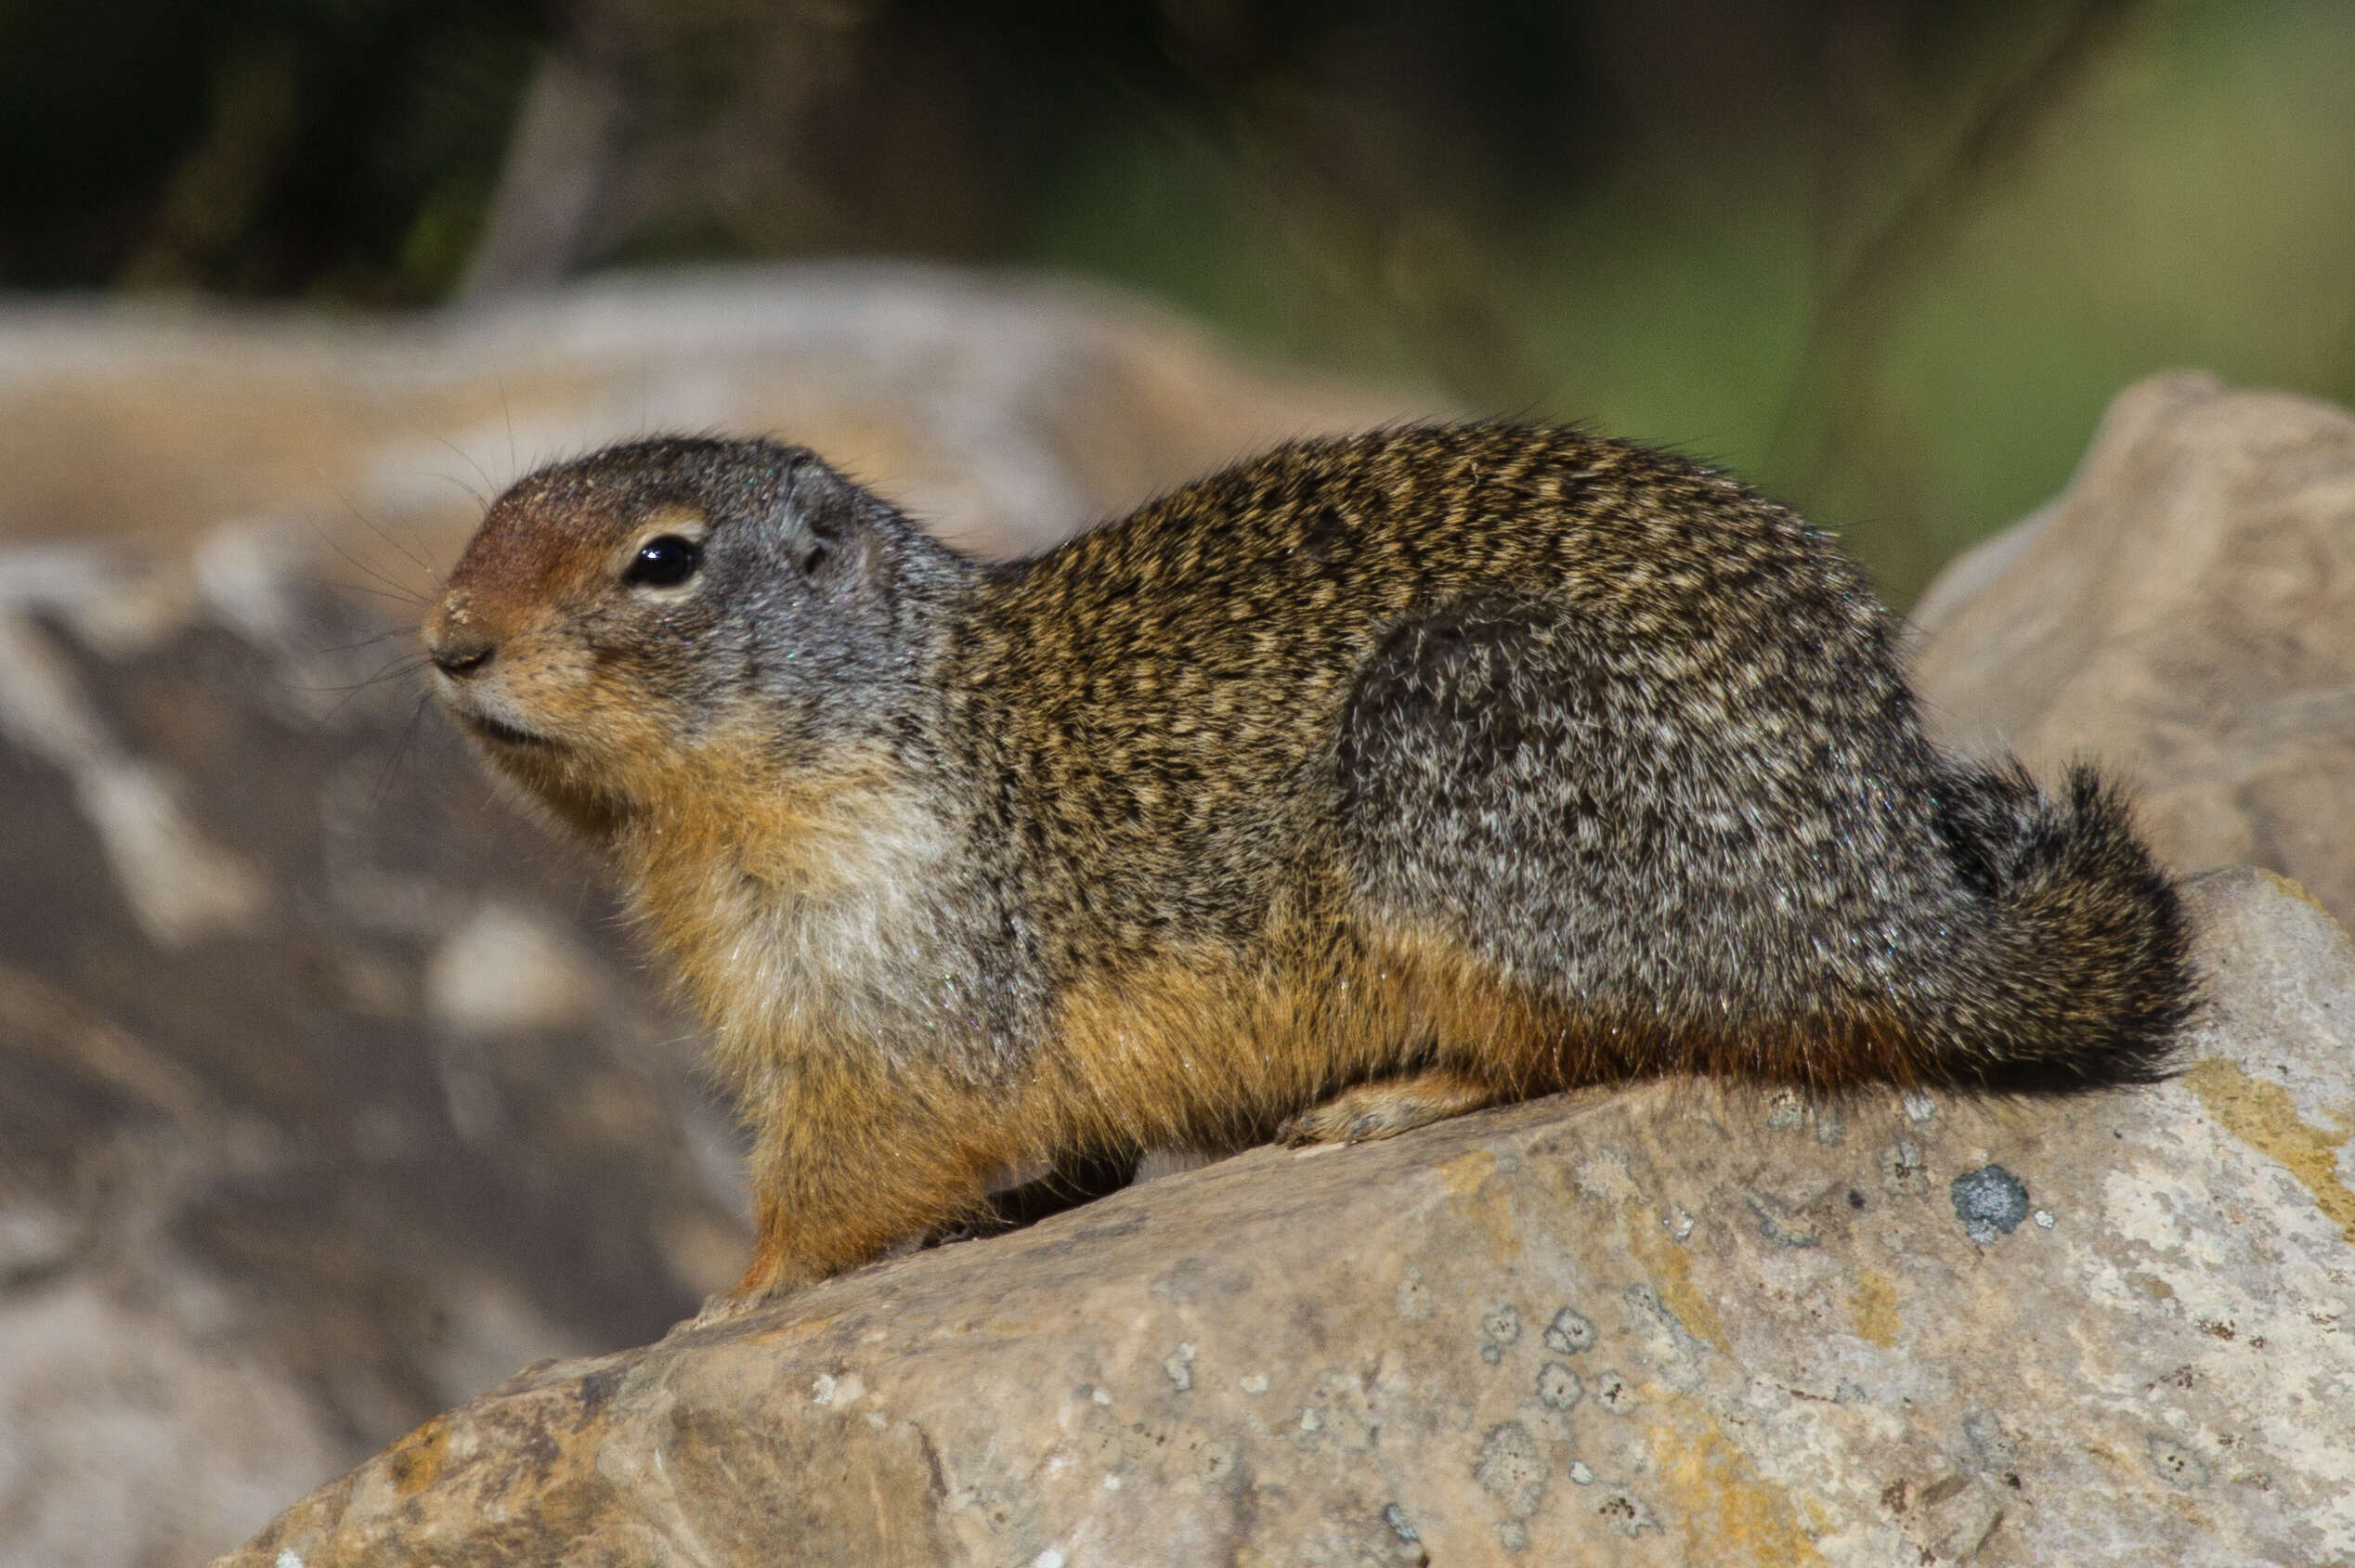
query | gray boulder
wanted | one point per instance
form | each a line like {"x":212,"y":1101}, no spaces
{"x":331,"y":1092}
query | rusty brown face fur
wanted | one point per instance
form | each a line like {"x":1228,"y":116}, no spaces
{"x":660,"y":618}
{"x":540,"y":646}
{"x":1427,"y":769}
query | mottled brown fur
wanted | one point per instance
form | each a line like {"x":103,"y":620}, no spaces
{"x":1368,"y":782}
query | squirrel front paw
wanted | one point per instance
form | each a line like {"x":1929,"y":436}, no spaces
{"x":771,"y":1277}
{"x":726,"y":1306}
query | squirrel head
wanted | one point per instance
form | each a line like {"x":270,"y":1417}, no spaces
{"x":673,"y":615}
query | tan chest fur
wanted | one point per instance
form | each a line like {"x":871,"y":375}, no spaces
{"x":791,"y":911}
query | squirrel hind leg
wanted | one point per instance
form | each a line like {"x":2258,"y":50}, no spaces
{"x":1387,"y":1108}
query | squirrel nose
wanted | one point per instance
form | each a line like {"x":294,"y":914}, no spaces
{"x":460,"y":653}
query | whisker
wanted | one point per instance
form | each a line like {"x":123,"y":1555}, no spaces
{"x":361,"y":517}
{"x":407,"y":595}
{"x":400,"y":749}
{"x":468,"y":458}
{"x":366,"y":642}
{"x":406,"y":664}
{"x":399,"y":670}
{"x":412,"y":601}
{"x":460,"y":485}
{"x":457,"y":482}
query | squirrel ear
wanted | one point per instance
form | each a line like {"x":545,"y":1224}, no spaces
{"x":813,"y":543}
{"x":826,"y":537}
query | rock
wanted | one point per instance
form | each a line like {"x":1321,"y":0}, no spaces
{"x":2184,"y":610}
{"x":1007,"y":410}
{"x":279,"y":1176}
{"x":1665,"y":1324}
{"x":331,"y":1093}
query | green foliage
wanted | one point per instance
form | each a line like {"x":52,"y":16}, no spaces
{"x":253,"y":147}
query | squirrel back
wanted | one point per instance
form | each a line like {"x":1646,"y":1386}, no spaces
{"x":1613,"y":729}
{"x":1376,"y":779}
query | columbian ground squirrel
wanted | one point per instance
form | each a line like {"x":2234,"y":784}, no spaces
{"x":1371,"y":781}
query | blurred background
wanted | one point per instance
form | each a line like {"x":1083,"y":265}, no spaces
{"x":331,"y":1091}
{"x":1888,"y":257}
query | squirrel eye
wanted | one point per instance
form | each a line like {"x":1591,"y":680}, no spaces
{"x":663,"y":562}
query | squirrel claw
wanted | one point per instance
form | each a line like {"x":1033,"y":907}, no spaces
{"x":726,"y":1306}
{"x":1384,"y":1110}
{"x":717,"y":1308}
{"x":1331,"y":1124}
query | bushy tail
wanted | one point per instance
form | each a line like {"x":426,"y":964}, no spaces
{"x":2079,"y":974}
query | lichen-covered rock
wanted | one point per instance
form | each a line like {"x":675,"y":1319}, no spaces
{"x":2184,"y":610}
{"x":1670,"y":1324}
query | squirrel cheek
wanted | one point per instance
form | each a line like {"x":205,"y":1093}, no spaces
{"x":608,"y":711}
{"x":551,"y":687}
{"x":631,"y":732}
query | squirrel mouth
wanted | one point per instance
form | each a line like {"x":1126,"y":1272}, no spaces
{"x":505,"y":734}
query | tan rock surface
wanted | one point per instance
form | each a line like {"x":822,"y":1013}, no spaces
{"x":1008,"y":409}
{"x":1665,"y":1325}
{"x":2185,"y":611}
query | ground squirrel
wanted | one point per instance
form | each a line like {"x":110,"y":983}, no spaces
{"x":1370,"y":781}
